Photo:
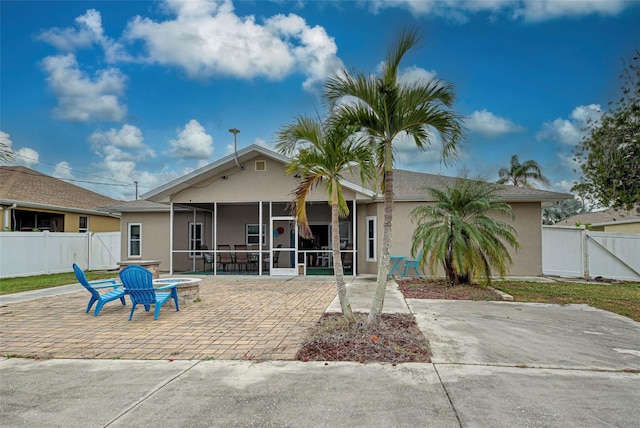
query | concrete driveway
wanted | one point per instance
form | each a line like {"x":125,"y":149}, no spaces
{"x":494,"y":365}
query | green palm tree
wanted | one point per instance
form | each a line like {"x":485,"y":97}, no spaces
{"x":457,"y":231}
{"x":521,"y":174}
{"x":383,"y":109}
{"x":322,"y":153}
{"x":6,"y":155}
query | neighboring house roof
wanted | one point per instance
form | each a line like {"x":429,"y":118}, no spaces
{"x":601,"y":218}
{"x":31,"y":189}
{"x":139,"y":206}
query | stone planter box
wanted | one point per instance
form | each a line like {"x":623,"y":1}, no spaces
{"x":151,"y":265}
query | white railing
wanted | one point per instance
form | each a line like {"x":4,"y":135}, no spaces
{"x":574,"y":252}
{"x":40,"y":253}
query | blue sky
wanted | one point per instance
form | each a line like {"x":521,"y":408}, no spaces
{"x":108,"y":93}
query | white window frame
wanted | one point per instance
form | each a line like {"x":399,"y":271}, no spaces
{"x":372,"y":239}
{"x":83,"y":229}
{"x":130,"y":240}
{"x":247,"y":234}
{"x":195,"y":239}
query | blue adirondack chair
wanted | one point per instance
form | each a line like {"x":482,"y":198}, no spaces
{"x":117,"y":291}
{"x":412,"y":264}
{"x":138,"y":284}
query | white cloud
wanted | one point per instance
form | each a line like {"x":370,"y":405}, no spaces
{"x":81,"y":97}
{"x":415,"y":74}
{"x":63,"y":170}
{"x":530,"y":10}
{"x":407,"y":154}
{"x":263,"y":143}
{"x":208,"y":39}
{"x":570,"y":131}
{"x":128,"y":136}
{"x":490,"y":125}
{"x":26,"y":156}
{"x":192,"y":143}
{"x":88,"y":32}
{"x":124,"y":144}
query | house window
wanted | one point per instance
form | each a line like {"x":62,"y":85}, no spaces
{"x":195,"y":239}
{"x":135,"y":240}
{"x":253,"y":234}
{"x":371,"y":239}
{"x":83,"y":224}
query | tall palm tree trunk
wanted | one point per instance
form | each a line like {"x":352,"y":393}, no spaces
{"x":337,"y":265}
{"x":383,"y":266}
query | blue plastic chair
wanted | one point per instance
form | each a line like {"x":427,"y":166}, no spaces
{"x":138,"y":284}
{"x":94,"y":286}
{"x":412,"y":264}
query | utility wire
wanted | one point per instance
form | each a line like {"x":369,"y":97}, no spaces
{"x":124,"y":184}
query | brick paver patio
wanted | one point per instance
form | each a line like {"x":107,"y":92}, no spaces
{"x":236,"y":318}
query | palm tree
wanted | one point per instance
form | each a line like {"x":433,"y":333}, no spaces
{"x":457,"y":231}
{"x":6,"y":155}
{"x":520,"y":174}
{"x":322,"y":152}
{"x":383,"y":109}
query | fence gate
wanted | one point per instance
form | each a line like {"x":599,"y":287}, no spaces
{"x":574,"y":252}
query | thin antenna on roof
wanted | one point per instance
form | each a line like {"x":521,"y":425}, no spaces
{"x":235,"y":133}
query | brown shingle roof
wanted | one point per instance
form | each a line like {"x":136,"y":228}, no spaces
{"x":21,"y":184}
{"x":409,"y":185}
{"x":598,"y":217}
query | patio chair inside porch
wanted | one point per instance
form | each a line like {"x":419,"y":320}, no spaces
{"x":225,"y":257}
{"x":241,"y":256}
{"x":207,"y":257}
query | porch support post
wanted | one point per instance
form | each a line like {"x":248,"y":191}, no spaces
{"x":171,"y":240}
{"x":354,"y":216}
{"x":260,"y":243}
{"x":215,"y":238}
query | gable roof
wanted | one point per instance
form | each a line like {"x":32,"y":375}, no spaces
{"x":162,"y":193}
{"x":408,"y":185}
{"x":31,"y":189}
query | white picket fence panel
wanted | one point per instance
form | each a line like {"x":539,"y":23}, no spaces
{"x":574,"y":252}
{"x":41,"y":253}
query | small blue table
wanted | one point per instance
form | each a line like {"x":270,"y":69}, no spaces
{"x":395,"y":265}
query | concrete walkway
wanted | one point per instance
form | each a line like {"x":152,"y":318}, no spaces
{"x":495,"y":364}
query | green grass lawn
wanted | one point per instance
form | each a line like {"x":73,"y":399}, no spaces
{"x":623,"y":299}
{"x":28,"y":283}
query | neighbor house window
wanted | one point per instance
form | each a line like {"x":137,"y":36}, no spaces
{"x":195,"y":239}
{"x":371,"y":239}
{"x":83,"y":224}
{"x":135,"y":240}
{"x":253,"y":234}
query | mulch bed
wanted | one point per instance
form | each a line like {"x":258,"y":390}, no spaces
{"x":427,"y":288}
{"x":397,"y":339}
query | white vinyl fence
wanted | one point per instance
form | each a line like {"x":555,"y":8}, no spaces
{"x":573,"y":252}
{"x":39,"y":253}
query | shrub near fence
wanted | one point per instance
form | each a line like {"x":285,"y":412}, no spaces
{"x":41,"y":253}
